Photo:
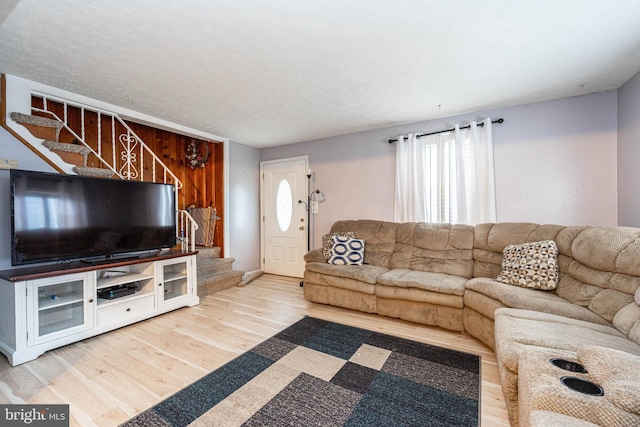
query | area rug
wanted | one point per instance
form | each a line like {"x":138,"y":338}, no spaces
{"x":320,"y":373}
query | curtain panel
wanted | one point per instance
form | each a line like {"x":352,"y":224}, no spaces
{"x":411,"y":186}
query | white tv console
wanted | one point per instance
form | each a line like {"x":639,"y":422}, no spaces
{"x":42,"y":308}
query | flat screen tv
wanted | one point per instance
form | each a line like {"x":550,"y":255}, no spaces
{"x":57,"y":217}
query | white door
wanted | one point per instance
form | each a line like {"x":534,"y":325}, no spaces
{"x":284,"y":219}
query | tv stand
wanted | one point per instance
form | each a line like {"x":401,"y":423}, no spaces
{"x":42,"y":308}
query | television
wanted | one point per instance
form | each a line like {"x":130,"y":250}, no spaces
{"x":58,"y":217}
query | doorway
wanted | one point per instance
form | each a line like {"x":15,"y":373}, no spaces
{"x":284,"y":234}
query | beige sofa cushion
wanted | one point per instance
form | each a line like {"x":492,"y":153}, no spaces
{"x":364,"y":273}
{"x":599,"y":266}
{"x":528,"y":299}
{"x":315,"y":255}
{"x":626,"y":318}
{"x":337,"y":283}
{"x":603,"y":260}
{"x":489,"y":240}
{"x":517,"y":330}
{"x":436,"y":282}
{"x":540,"y":388}
{"x":379,"y":237}
{"x":542,"y":418}
{"x":617,"y":372}
{"x":421,"y":286}
{"x":436,"y":248}
{"x":614,"y":249}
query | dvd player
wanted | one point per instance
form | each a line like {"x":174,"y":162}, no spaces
{"x":116,"y":291}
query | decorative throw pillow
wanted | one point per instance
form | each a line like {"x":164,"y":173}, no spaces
{"x":346,"y":251}
{"x":327,"y":243}
{"x":530,"y":265}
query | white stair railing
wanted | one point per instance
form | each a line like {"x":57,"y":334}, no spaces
{"x":131,"y":148}
{"x":187,"y":227}
{"x":132,"y":154}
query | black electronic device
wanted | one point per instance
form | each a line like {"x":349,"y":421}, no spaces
{"x":58,"y":217}
{"x":116,"y":291}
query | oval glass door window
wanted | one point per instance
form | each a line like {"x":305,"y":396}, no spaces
{"x":284,"y":205}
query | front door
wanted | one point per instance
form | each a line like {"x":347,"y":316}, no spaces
{"x":284,"y":216}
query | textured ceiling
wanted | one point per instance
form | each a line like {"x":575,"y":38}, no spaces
{"x":273,"y":72}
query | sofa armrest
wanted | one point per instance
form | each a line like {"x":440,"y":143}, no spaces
{"x":315,"y":255}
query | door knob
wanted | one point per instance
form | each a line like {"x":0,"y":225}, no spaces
{"x":302,"y":227}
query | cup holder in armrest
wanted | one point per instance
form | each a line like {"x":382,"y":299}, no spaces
{"x":582,"y":386}
{"x":568,"y":365}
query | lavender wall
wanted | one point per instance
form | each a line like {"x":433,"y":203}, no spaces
{"x":555,"y":163}
{"x":244,"y":207}
{"x":629,"y":153}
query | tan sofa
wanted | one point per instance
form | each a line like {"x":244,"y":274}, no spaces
{"x":445,"y":275}
{"x":412,"y":271}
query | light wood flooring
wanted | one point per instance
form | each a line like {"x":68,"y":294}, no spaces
{"x":110,"y":378}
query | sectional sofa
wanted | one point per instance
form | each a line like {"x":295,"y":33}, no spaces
{"x":493,"y":282}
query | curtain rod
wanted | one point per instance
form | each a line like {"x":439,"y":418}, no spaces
{"x":481,"y":124}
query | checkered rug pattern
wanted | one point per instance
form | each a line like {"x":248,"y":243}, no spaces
{"x":322,"y":373}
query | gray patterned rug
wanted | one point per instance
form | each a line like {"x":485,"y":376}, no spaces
{"x":327,"y":374}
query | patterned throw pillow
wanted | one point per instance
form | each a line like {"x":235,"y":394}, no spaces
{"x":346,"y":251}
{"x":530,"y":265}
{"x":327,"y":243}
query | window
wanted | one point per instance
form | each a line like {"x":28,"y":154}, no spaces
{"x":446,"y":177}
{"x":443,"y":174}
{"x":284,"y":205}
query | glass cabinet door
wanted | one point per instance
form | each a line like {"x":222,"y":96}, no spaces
{"x":60,"y":306}
{"x":174,"y":282}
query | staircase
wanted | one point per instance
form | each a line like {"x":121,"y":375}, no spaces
{"x":74,"y":154}
{"x":213,"y":273}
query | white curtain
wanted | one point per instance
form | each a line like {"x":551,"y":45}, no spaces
{"x":411,"y":186}
{"x":479,"y":201}
{"x":447,"y":177}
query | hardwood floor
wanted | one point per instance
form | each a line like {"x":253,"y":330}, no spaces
{"x":110,"y":378}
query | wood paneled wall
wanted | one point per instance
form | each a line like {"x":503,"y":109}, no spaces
{"x":201,"y":187}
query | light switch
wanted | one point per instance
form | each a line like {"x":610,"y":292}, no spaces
{"x":8,"y":164}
